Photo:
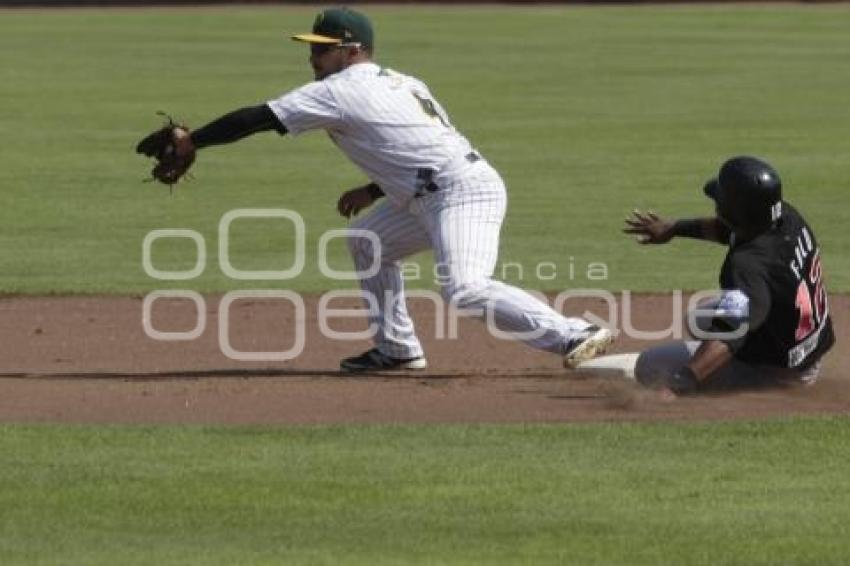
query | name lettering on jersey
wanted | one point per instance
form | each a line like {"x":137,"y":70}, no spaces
{"x":804,"y":247}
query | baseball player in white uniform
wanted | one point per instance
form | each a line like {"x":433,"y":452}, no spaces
{"x":440,"y":193}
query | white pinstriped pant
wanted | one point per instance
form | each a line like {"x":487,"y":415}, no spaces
{"x":461,"y":224}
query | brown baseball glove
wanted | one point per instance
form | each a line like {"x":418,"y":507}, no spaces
{"x":172,"y":160}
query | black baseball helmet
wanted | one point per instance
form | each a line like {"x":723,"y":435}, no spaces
{"x":748,"y":193}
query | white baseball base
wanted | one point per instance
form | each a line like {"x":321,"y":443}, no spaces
{"x":615,"y":366}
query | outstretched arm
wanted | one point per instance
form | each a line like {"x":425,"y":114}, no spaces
{"x":229,"y":128}
{"x":653,"y":229}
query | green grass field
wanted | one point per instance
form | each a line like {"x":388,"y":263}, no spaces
{"x":766,"y":493}
{"x":587,"y":112}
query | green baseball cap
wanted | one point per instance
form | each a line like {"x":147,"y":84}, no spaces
{"x":340,"y":26}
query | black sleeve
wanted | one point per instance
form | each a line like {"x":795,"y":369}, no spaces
{"x":723,"y":232}
{"x":237,"y":125}
{"x":688,"y":228}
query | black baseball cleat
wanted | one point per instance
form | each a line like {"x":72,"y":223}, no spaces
{"x":594,"y":342}
{"x":374,"y":360}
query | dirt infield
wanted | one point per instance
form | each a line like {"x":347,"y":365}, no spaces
{"x":88,"y":360}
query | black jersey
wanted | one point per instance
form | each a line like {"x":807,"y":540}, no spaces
{"x":780,"y":281}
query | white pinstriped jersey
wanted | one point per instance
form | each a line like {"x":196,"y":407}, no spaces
{"x":387,"y":123}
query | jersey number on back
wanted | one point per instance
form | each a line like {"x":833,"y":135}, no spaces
{"x":811,"y":300}
{"x":430,"y":109}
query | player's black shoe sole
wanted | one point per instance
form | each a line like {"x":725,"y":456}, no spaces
{"x":374,"y":360}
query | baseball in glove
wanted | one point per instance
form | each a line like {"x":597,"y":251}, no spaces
{"x":173,"y":158}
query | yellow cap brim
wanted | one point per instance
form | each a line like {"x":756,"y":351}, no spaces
{"x":313,"y":38}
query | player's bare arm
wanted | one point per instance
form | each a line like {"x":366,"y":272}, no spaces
{"x":709,"y":357}
{"x":653,"y":229}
